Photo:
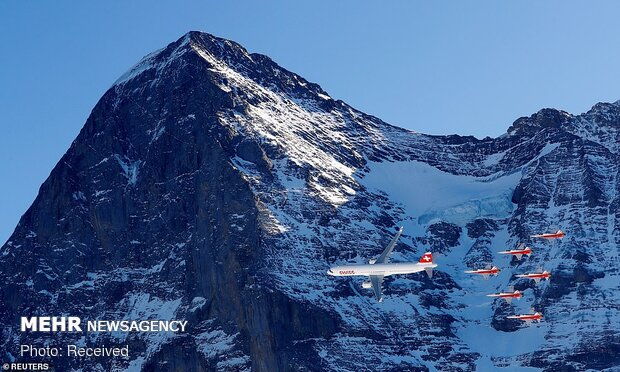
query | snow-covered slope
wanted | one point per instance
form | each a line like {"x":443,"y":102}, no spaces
{"x":211,"y":184}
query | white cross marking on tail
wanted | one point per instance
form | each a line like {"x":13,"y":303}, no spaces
{"x":426,"y":258}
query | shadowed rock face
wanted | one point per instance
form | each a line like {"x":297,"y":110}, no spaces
{"x":211,"y":185}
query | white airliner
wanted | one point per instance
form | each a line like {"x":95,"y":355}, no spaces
{"x":377,"y":269}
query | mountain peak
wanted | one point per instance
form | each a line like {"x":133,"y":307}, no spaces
{"x":221,"y":54}
{"x":544,"y":118}
{"x":605,"y":113}
{"x":191,"y":43}
{"x":218,"y":47}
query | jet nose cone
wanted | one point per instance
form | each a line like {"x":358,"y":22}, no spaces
{"x":330,"y":272}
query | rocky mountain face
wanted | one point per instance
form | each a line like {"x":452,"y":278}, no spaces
{"x":210,"y":184}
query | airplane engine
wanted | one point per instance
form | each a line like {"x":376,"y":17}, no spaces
{"x":372,"y":261}
{"x":366,"y":285}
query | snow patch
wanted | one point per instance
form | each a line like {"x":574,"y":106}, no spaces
{"x":130,"y":169}
{"x":430,"y":193}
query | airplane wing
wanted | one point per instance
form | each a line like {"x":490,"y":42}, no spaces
{"x":385,"y":256}
{"x":377,"y":281}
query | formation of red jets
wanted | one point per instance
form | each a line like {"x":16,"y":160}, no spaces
{"x":518,"y":253}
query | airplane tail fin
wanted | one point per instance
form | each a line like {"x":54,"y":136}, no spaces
{"x":427,"y":258}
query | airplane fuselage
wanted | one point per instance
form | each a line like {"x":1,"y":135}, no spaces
{"x":526,"y":317}
{"x":534,"y":276}
{"x":515,"y":251}
{"x":385,"y":269}
{"x":558,"y":235}
{"x":505,"y":295}
{"x":483,"y":271}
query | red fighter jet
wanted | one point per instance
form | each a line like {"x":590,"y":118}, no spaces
{"x":485,"y":272}
{"x":508,"y":296}
{"x":556,"y":235}
{"x":527,"y":318}
{"x":537,"y":276}
{"x":519,"y":252}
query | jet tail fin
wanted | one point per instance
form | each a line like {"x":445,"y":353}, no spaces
{"x":427,"y":258}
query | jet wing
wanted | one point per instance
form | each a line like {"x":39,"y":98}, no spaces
{"x":377,"y":281}
{"x":385,"y":256}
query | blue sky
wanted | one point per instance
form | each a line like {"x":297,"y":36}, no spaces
{"x":435,"y":67}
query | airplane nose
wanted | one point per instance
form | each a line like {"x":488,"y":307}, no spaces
{"x":330,"y":272}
